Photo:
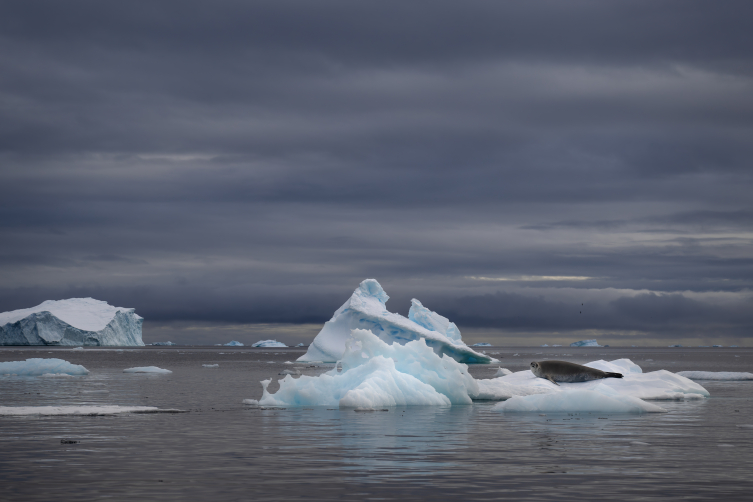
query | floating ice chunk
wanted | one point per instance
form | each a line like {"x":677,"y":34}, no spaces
{"x":545,"y":345}
{"x":76,"y":321}
{"x":585,"y":343}
{"x":80,"y":410}
{"x":234,"y":344}
{"x":481,"y":344}
{"x":146,"y":369}
{"x":56,"y":375}
{"x":269,"y":343}
{"x":251,"y":402}
{"x":375,"y":374}
{"x":38,"y":367}
{"x":366,"y":309}
{"x":654,"y":385}
{"x":290,"y":372}
{"x":77,"y":348}
{"x":301,"y":345}
{"x":502,"y":372}
{"x":210,"y":365}
{"x":599,"y":399}
{"x":716,"y":375}
{"x":166,"y":344}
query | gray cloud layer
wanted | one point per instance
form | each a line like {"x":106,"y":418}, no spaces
{"x":251,"y":162}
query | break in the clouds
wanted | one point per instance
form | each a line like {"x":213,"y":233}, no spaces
{"x":249,"y":163}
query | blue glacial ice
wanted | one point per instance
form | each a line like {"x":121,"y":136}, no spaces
{"x":72,"y":322}
{"x":233,"y":344}
{"x":373,"y":374}
{"x":366,"y":309}
{"x":585,"y":343}
{"x":146,"y":369}
{"x":268,"y":343}
{"x":39,"y":367}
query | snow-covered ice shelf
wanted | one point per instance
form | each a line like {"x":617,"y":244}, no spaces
{"x":366,"y":309}
{"x":76,"y":321}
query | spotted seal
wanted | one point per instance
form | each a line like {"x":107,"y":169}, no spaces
{"x":563,"y":371}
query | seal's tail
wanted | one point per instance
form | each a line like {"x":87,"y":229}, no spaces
{"x":613,"y":375}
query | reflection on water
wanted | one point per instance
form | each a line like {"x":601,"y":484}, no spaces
{"x":223,"y":450}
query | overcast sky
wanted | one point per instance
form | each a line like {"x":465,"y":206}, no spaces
{"x":531,"y":170}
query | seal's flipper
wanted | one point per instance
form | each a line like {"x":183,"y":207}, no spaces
{"x":613,"y":375}
{"x":549,"y":377}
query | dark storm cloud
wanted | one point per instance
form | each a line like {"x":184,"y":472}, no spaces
{"x":252,"y":162}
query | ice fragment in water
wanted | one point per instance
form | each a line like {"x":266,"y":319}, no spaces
{"x":146,"y":369}
{"x":268,"y":343}
{"x":38,"y":367}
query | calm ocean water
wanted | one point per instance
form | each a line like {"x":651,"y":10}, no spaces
{"x":224,"y":450}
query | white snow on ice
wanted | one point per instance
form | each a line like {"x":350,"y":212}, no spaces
{"x":599,"y":399}
{"x":83,"y":313}
{"x":39,"y":367}
{"x":366,"y":309}
{"x":147,"y":369}
{"x":268,"y":343}
{"x":716,"y":375}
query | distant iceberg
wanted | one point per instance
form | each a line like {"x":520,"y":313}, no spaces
{"x":481,"y":344}
{"x":39,"y":367}
{"x":585,"y":343}
{"x":301,"y":345}
{"x":366,"y":309}
{"x":234,"y":344}
{"x":268,"y":343}
{"x":147,"y":369}
{"x":76,"y":321}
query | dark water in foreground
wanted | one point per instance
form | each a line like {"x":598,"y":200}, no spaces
{"x":224,"y":450}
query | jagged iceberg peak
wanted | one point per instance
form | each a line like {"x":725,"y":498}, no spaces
{"x":75,"y":321}
{"x":366,"y":309}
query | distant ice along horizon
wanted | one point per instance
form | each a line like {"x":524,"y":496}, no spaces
{"x":72,"y":322}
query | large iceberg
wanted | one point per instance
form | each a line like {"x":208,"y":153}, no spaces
{"x":39,"y":367}
{"x":585,"y":343}
{"x":366,"y":309}
{"x":376,"y":374}
{"x":76,"y":321}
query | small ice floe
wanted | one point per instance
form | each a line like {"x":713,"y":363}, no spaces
{"x":301,"y":345}
{"x":251,"y":402}
{"x":77,"y":348}
{"x":80,"y":410}
{"x":290,"y":372}
{"x":502,"y":372}
{"x":515,"y":355}
{"x":210,"y":365}
{"x":234,"y":344}
{"x":38,"y":367}
{"x":481,"y":344}
{"x":268,"y":343}
{"x":639,"y":443}
{"x":147,"y":369}
{"x":165,"y":344}
{"x":288,"y":362}
{"x":716,"y":375}
{"x":56,"y":375}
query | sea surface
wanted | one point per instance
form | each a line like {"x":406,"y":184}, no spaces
{"x":221,"y":449}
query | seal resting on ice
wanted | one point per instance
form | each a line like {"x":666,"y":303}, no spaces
{"x":563,"y":371}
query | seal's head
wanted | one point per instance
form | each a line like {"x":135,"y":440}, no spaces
{"x":536,"y":369}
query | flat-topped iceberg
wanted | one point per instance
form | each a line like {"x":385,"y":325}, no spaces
{"x":376,"y":374}
{"x":268,"y":343}
{"x":39,"y":367}
{"x":585,"y":343}
{"x":366,"y":309}
{"x":76,"y":321}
